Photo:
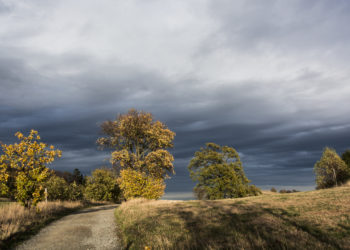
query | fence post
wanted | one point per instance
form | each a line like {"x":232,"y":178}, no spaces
{"x":46,"y":195}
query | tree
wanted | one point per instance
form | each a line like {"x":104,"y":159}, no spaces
{"x":67,"y":176}
{"x":23,"y":169}
{"x":78,"y":177}
{"x":346,"y":157}
{"x":57,"y":188}
{"x":140,"y":145}
{"x":219,"y":173}
{"x":330,"y":170}
{"x":102,"y":186}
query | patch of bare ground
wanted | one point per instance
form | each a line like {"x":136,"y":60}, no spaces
{"x":304,"y":220}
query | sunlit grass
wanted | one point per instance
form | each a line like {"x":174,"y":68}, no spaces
{"x":4,"y":201}
{"x":309,"y":220}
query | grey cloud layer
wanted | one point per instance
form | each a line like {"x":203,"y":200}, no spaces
{"x":272,"y":79}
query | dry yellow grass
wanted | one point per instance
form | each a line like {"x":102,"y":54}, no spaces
{"x":347,"y":184}
{"x":17,"y":222}
{"x":304,"y":220}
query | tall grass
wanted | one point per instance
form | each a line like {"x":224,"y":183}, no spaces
{"x":4,"y":201}
{"x":17,"y":222}
{"x":305,"y":220}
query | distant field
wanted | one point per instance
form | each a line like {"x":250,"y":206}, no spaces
{"x":304,"y":220}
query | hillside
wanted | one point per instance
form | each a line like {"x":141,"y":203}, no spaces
{"x":305,"y":220}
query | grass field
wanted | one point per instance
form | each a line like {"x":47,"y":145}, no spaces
{"x":4,"y":201}
{"x":305,"y":220}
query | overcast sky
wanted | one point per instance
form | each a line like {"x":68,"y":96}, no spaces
{"x":269,"y":78}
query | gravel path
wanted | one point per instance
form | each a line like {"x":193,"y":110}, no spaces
{"x":90,"y":228}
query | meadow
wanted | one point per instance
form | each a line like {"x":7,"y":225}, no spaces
{"x":305,"y":220}
{"x":4,"y":201}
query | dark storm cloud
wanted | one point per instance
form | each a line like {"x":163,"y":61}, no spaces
{"x":268,"y":79}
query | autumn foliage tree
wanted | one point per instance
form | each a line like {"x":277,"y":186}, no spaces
{"x":219,"y":174}
{"x":23,"y":168}
{"x":330,"y":170}
{"x":141,"y":156}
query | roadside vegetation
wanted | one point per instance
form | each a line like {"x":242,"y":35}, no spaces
{"x":18,"y":223}
{"x":4,"y":201}
{"x":102,"y":186}
{"x":23,"y":168}
{"x":303,"y":220}
{"x":33,"y":195}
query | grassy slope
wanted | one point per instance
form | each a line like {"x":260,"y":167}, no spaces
{"x":305,"y":220}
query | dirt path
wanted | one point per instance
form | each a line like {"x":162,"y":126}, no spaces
{"x":91,"y":228}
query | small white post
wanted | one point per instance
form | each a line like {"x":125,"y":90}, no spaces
{"x":46,"y":195}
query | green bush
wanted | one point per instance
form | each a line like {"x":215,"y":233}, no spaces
{"x":346,"y":158}
{"x":57,"y":188}
{"x":254,"y":190}
{"x":102,"y":186}
{"x":219,"y":174}
{"x":76,"y":192}
{"x":331,"y":170}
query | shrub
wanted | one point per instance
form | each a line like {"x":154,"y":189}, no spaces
{"x":102,"y":186}
{"x":273,"y":190}
{"x":286,"y":191}
{"x":254,"y":190}
{"x":76,"y":192}
{"x":346,"y":157}
{"x":57,"y":188}
{"x":135,"y":184}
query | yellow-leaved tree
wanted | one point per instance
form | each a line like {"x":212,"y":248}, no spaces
{"x":141,"y":156}
{"x":23,"y":169}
